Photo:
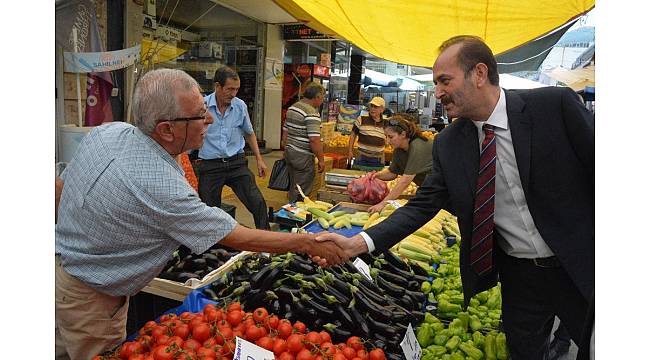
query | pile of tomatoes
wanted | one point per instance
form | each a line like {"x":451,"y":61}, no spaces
{"x":210,"y":335}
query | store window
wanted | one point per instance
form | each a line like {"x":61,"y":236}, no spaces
{"x":198,"y":37}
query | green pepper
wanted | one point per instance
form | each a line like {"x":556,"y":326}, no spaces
{"x":430,"y":319}
{"x":424,"y":335}
{"x":445,"y":357}
{"x":441,"y":337}
{"x":436,"y":350}
{"x":490,"y":347}
{"x":452,"y":344}
{"x":432,"y":297}
{"x":474,"y":303}
{"x":464,"y":317}
{"x":457,"y":356}
{"x":425,"y":287}
{"x":475,"y":323}
{"x":457,"y":299}
{"x":456,"y":327}
{"x":495,"y":323}
{"x":494,"y":314}
{"x":502,"y":347}
{"x":472,"y":310}
{"x":482,"y":296}
{"x":428,"y":356}
{"x":466,"y":336}
{"x":494,"y":301}
{"x":443,"y":269}
{"x":435,"y":327}
{"x":437,"y":284}
{"x":482,"y":308}
{"x":471,"y":351}
{"x":479,"y":339}
{"x":446,"y":306}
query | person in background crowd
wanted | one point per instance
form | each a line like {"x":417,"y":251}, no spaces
{"x":222,"y":159}
{"x":301,"y":137}
{"x":125,"y":207}
{"x":517,"y":169}
{"x":370,"y":132}
{"x":411,"y":158}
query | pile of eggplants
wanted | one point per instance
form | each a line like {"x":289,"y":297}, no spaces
{"x":185,"y":265}
{"x":339,"y":298}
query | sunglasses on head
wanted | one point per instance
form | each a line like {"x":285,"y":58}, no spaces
{"x":396,"y":122}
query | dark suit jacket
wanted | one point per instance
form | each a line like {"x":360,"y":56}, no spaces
{"x":553,"y":136}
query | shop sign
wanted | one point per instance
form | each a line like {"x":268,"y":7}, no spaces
{"x":167,"y":33}
{"x":301,"y":32}
{"x":88,"y":62}
{"x":304,"y":70}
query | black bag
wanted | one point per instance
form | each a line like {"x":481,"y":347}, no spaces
{"x":279,"y":179}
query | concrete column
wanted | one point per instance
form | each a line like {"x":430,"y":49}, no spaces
{"x":273,"y":95}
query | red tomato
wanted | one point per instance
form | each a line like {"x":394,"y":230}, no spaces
{"x":286,"y":356}
{"x":300,"y":327}
{"x":234,"y":306}
{"x":164,"y":352}
{"x":377,"y":354}
{"x":349,"y":352}
{"x":272,"y":322}
{"x":265,"y":342}
{"x":209,"y":307}
{"x":148,"y":327}
{"x":196,"y":321}
{"x":182,"y":331}
{"x":312,"y":339}
{"x":176,"y":340}
{"x":305,"y":354}
{"x":210,"y":316}
{"x":146,"y":341}
{"x":167,"y":317}
{"x":355,"y":343}
{"x":158,"y":331}
{"x":356,"y":358}
{"x":204,"y":353}
{"x":191,"y":344}
{"x":325,"y":336}
{"x":228,"y":348}
{"x":295,"y":343}
{"x":136,"y":357}
{"x":223,"y":324}
{"x":279,"y":346}
{"x":284,"y":330}
{"x":129,"y":348}
{"x":339,"y":356}
{"x":362,"y":354}
{"x":260,"y":314}
{"x":201,"y":332}
{"x":162,"y":339}
{"x":253,"y":333}
{"x":186,"y":316}
{"x":234,"y":318}
{"x":327,"y":349}
{"x":319,"y":357}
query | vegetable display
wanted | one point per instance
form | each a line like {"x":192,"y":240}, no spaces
{"x":211,"y":335}
{"x":184,"y":265}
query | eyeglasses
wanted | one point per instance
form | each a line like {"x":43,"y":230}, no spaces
{"x":200,"y":117}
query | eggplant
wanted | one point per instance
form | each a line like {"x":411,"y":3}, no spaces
{"x":420,"y":271}
{"x":417,"y":295}
{"x":418,"y":317}
{"x":360,"y":322}
{"x":413,"y":285}
{"x":317,"y":324}
{"x":395,"y":279}
{"x":392,"y":356}
{"x":256,"y":280}
{"x":222,"y":254}
{"x":406,"y":302}
{"x":390,"y":288}
{"x":375,"y":310}
{"x":340,"y":335}
{"x":285,"y":293}
{"x":322,"y":310}
{"x":372,"y":295}
{"x":344,"y":316}
{"x":212,"y":260}
{"x":291,"y":316}
{"x":342,"y":298}
{"x":395,"y":260}
{"x":301,"y":267}
{"x":380,"y":327}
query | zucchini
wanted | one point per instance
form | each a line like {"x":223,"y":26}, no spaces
{"x":320,"y":213}
{"x":323,"y":223}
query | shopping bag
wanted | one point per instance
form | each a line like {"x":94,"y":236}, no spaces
{"x":279,"y":179}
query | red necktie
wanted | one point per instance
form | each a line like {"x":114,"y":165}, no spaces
{"x":483,"y":222}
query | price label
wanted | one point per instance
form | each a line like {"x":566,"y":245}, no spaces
{"x":410,"y":346}
{"x":363,"y":268}
{"x":245,"y":350}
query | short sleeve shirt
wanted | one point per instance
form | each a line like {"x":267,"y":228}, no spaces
{"x":225,"y":136}
{"x":417,"y":161}
{"x":125,"y":207}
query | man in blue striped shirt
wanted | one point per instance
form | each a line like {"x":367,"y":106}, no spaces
{"x":126,"y":206}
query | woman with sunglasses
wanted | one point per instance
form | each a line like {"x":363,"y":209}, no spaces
{"x":411,"y":158}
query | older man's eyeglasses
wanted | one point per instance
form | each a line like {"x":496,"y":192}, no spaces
{"x":200,"y":117}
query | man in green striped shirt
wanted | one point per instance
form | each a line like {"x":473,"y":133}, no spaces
{"x":372,"y":140}
{"x":301,"y":137}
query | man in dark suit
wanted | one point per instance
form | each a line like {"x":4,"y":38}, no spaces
{"x":522,"y":187}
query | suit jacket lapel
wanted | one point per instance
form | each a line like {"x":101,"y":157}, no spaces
{"x":469,"y":140}
{"x":520,"y":129}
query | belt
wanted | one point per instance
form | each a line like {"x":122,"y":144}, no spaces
{"x":225,"y":160}
{"x":546,"y":262}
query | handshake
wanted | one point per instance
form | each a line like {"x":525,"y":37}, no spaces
{"x":328,"y":249}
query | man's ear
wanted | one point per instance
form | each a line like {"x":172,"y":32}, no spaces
{"x":481,"y":73}
{"x":164,"y":131}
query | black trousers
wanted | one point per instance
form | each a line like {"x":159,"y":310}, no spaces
{"x":532,"y":297}
{"x":214,"y":174}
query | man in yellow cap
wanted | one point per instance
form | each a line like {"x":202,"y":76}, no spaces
{"x":370,"y":131}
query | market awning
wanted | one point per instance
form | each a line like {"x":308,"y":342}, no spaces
{"x":409,"y":32}
{"x":576,"y":79}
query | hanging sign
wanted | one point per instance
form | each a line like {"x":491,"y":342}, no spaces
{"x":410,"y":346}
{"x":87,"y":62}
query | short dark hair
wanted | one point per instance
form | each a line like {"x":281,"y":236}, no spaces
{"x":223,"y":74}
{"x":313,"y":90}
{"x":473,"y":51}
